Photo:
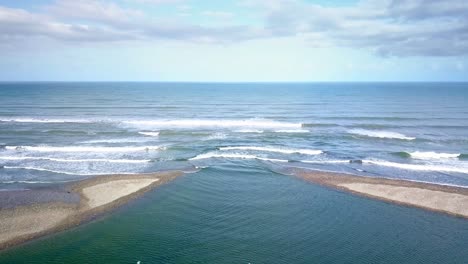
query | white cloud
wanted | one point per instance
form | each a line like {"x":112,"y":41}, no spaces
{"x":386,"y":27}
{"x":92,"y":10}
{"x":389,"y":27}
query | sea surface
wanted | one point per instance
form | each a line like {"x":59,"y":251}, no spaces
{"x":238,"y":142}
{"x":53,"y":132}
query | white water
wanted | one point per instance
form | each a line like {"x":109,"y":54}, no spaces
{"x":219,"y":123}
{"x":380,"y":134}
{"x":75,"y":160}
{"x":274,"y":149}
{"x":292,"y":131}
{"x":418,"y":167}
{"x":249,"y":131}
{"x":45,"y":120}
{"x":433,"y":155}
{"x":150,"y":134}
{"x":61,"y":172}
{"x":83,"y":148}
{"x":233,"y":156}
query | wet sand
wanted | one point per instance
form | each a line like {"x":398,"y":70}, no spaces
{"x":439,"y":198}
{"x":35,"y":213}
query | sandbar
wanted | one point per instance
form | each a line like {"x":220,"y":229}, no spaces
{"x":53,"y":209}
{"x":452,"y":200}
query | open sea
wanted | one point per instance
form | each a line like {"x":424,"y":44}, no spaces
{"x":237,"y":142}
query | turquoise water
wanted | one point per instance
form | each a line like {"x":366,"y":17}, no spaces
{"x":230,"y":214}
{"x":237,"y":141}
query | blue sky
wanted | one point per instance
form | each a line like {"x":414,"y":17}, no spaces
{"x":234,"y":40}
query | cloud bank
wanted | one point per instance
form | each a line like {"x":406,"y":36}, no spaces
{"x":386,"y":27}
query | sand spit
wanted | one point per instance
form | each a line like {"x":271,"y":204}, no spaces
{"x":27,"y":221}
{"x":439,"y":198}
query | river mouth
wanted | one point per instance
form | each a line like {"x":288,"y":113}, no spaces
{"x":249,"y":215}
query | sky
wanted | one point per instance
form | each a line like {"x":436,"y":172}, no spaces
{"x":234,"y":40}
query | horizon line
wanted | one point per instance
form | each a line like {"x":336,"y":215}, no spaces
{"x":231,"y":82}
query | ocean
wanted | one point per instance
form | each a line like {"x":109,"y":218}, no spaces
{"x":238,"y":142}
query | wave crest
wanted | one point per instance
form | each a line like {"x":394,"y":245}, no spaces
{"x":149,"y":133}
{"x":273,"y":149}
{"x":210,"y":155}
{"x":75,"y":160}
{"x":220,"y":123}
{"x":83,"y":148}
{"x":43,"y":120}
{"x":417,"y":167}
{"x":292,"y":131}
{"x":433,"y":155}
{"x":380,"y":134}
{"x":61,"y":172}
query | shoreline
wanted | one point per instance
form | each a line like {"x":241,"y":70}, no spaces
{"x":446,"y":199}
{"x":71,"y":204}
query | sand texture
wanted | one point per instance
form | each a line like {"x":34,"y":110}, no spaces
{"x":439,"y":198}
{"x":68,"y":206}
{"x":113,"y":190}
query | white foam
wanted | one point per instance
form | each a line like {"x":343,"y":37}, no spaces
{"x":150,"y":134}
{"x":83,"y":148}
{"x":292,"y":131}
{"x":60,"y":172}
{"x":220,"y":123}
{"x":117,"y":140}
{"x":43,"y":120}
{"x":249,"y":131}
{"x":76,"y":160}
{"x":233,"y":156}
{"x":433,"y":155}
{"x":325,"y":161}
{"x":380,"y":134}
{"x":37,"y":169}
{"x":278,"y":150}
{"x":417,"y":167}
{"x":33,"y":182}
{"x":217,"y":136}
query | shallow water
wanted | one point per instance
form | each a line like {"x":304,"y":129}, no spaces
{"x":230,"y":214}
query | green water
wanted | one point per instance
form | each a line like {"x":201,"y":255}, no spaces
{"x":230,"y":214}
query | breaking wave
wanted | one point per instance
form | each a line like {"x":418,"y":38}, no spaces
{"x":75,"y":160}
{"x":33,"y":182}
{"x":53,"y":171}
{"x":292,"y":131}
{"x":433,"y":155}
{"x":249,"y":131}
{"x":326,"y":161}
{"x":278,"y":150}
{"x":149,"y":133}
{"x":233,"y":156}
{"x":219,"y":123}
{"x":429,"y":155}
{"x":83,"y":148}
{"x":417,"y":167}
{"x":380,"y":134}
{"x":44,"y":120}
{"x":117,"y":140}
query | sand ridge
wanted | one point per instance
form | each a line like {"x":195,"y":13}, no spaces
{"x":97,"y":195}
{"x":439,"y":198}
{"x":114,"y":190}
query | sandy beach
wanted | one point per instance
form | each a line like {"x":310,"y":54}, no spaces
{"x":36,"y":213}
{"x":439,"y":198}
